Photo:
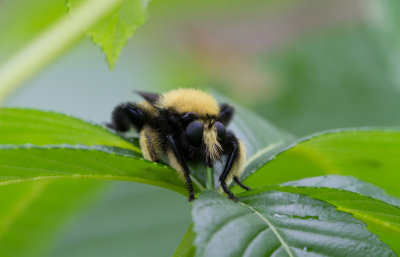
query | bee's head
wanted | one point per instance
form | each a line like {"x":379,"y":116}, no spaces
{"x":208,"y":134}
{"x":201,"y":119}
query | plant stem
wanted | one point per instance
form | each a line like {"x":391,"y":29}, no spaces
{"x":210,"y":179}
{"x":51,"y":43}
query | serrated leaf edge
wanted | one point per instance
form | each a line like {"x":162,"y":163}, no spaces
{"x":102,"y":149}
{"x":88,"y":122}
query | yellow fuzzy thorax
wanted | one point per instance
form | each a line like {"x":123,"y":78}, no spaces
{"x":189,"y":100}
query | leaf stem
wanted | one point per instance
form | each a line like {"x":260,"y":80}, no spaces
{"x":197,"y":183}
{"x":51,"y":43}
{"x":210,"y":179}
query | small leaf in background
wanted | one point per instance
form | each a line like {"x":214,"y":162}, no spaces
{"x":114,"y":31}
{"x":274,"y":223}
{"x":369,"y":155}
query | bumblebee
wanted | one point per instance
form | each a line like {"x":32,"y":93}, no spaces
{"x":183,"y":126}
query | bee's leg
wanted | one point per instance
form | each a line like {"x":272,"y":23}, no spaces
{"x":227,"y":170}
{"x":125,"y":115}
{"x":234,"y":164}
{"x":236,"y":179}
{"x":176,"y":161}
{"x":225,"y":114}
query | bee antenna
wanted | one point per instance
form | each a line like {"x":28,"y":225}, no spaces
{"x":211,"y":121}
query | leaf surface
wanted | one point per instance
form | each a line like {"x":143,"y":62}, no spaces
{"x":32,"y":213}
{"x":347,"y":183}
{"x":369,"y":155}
{"x":34,"y":163}
{"x":186,"y":247}
{"x":272,"y":223}
{"x":127,"y":219}
{"x":381,"y":218}
{"x":113,"y":32}
{"x":29,"y":126}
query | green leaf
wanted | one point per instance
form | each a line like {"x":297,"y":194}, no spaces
{"x":33,"y":17}
{"x":369,"y":155}
{"x":381,"y":218}
{"x":29,"y":126}
{"x":49,"y":44}
{"x":186,"y":247}
{"x":34,"y":163}
{"x":272,"y":223}
{"x":347,"y":183}
{"x":32,"y":213}
{"x":113,"y":32}
{"x":128,"y":219}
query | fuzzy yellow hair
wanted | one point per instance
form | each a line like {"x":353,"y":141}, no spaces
{"x":150,"y":144}
{"x":238,"y":165}
{"x":189,"y":100}
{"x":213,"y":147}
{"x":148,"y":109}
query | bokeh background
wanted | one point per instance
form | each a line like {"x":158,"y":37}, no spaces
{"x":305,"y":65}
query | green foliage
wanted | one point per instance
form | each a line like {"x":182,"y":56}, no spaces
{"x":33,"y":16}
{"x":347,"y":183}
{"x":62,"y":33}
{"x":113,"y":31}
{"x":270,"y":223}
{"x":46,"y":157}
{"x":40,"y":152}
{"x":381,"y":218}
{"x":46,"y":129}
{"x":125,"y":219}
{"x":101,"y":158}
{"x":186,"y":247}
{"x":370,"y":155}
{"x":33,"y":163}
{"x":31,"y":213}
{"x":28,"y":126}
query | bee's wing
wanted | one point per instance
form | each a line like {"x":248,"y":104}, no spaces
{"x":149,"y":97}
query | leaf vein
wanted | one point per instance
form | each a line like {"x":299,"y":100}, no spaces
{"x":273,"y":228}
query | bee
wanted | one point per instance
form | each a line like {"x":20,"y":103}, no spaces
{"x":184,"y":126}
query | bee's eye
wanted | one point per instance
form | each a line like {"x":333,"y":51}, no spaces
{"x":221,"y":132}
{"x":194,"y":133}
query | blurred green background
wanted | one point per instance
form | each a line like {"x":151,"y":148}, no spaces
{"x":306,"y":66}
